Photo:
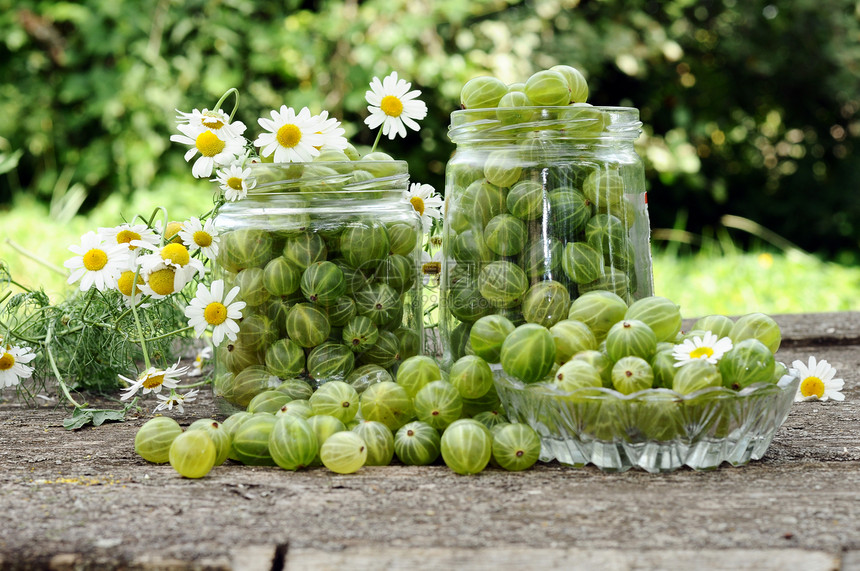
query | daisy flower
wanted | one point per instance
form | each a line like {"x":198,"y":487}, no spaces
{"x":235,"y":182}
{"x":199,"y":360}
{"x":332,"y":132}
{"x":216,"y":121}
{"x":175,"y":255}
{"x":124,"y":284}
{"x":199,"y":236}
{"x":709,"y":348}
{"x":816,"y":381}
{"x":213,"y":150}
{"x":392,"y":105}
{"x":175,"y":400}
{"x":431,"y":268}
{"x":97,"y":263}
{"x":13,"y":365}
{"x":163,"y":279}
{"x":291,"y":137}
{"x":426,"y":203}
{"x":132,"y":235}
{"x":152,"y":380}
{"x":211,"y":307}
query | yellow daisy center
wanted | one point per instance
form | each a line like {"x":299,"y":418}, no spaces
{"x":172,"y":231}
{"x":153,"y":381}
{"x":209,"y":144}
{"x":812,"y":386}
{"x":176,"y":253}
{"x":212,"y":122}
{"x":215,"y":313}
{"x":289,"y":136}
{"x":235,"y":183}
{"x":700,"y":352}
{"x":95,"y":259}
{"x":125,"y":282}
{"x":391,"y":106}
{"x":161,"y":281}
{"x":432,"y":268}
{"x":418,"y":204}
{"x":6,"y":361}
{"x":126,"y":237}
{"x":202,"y":239}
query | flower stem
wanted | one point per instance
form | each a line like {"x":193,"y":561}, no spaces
{"x":35,"y":258}
{"x":137,"y":319}
{"x":53,"y":363}
{"x":232,"y":91}
{"x":197,"y":384}
{"x":171,"y":333}
{"x":376,"y":142}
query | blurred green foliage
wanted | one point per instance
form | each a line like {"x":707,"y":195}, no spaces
{"x":750,"y":107}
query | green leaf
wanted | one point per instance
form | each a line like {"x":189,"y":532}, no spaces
{"x":9,"y":161}
{"x":95,"y":416}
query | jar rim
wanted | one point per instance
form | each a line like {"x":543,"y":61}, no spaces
{"x":567,"y":122}
{"x":329,"y":178}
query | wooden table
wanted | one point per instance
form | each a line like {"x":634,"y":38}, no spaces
{"x":82,"y":500}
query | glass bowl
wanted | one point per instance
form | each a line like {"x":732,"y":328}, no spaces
{"x":657,"y":430}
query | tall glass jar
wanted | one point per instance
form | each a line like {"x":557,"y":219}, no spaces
{"x":542,"y":205}
{"x":326,"y":256}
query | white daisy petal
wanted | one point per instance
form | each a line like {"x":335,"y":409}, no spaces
{"x":816,"y":381}
{"x":210,"y":308}
{"x":393,"y":106}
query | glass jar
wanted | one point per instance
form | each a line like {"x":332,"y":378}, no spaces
{"x":542,"y":205}
{"x":326,"y":255}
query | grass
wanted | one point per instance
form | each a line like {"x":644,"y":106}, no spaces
{"x":714,"y":277}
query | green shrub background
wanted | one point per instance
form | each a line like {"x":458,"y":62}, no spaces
{"x":750,"y":107}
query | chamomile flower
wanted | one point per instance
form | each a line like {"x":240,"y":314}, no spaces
{"x":816,"y":381}
{"x":212,"y":148}
{"x":153,"y":380}
{"x":132,"y":235}
{"x":211,"y":307}
{"x":235,"y":182}
{"x":431,"y":268}
{"x":199,"y":236}
{"x":13,"y":365}
{"x":175,"y":255}
{"x":199,"y":360}
{"x":216,"y":121}
{"x":708,"y":347}
{"x":125,"y":283}
{"x":426,"y":203}
{"x":97,"y":263}
{"x":162,"y":280}
{"x":291,"y":137}
{"x":175,"y":399}
{"x":392,"y":105}
{"x":332,"y":132}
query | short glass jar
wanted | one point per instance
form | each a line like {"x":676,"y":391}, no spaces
{"x":326,"y":255}
{"x":542,"y":205}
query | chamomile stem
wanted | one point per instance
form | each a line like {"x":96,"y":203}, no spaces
{"x":376,"y":142}
{"x":35,"y":258}
{"x":137,"y":319}
{"x":232,"y":91}
{"x":197,"y":384}
{"x":53,"y":363}
{"x":165,"y":218}
{"x":171,"y":334}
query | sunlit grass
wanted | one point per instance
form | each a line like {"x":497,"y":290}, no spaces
{"x":742,"y":282}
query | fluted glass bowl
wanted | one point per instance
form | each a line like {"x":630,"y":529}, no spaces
{"x":657,"y":430}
